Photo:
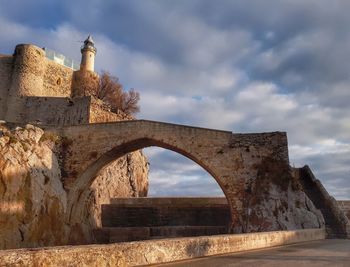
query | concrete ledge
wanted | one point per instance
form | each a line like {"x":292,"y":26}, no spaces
{"x":154,"y":251}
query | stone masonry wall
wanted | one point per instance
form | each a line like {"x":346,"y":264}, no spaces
{"x":6,"y":64}
{"x":100,"y":112}
{"x":26,"y":79}
{"x":57,"y":80}
{"x":36,"y":89}
{"x":30,"y":74}
{"x":62,"y":111}
{"x":57,"y":110}
{"x":242,"y":164}
{"x":84,"y":83}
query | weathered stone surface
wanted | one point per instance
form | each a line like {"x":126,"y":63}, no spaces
{"x":125,"y":177}
{"x":276,"y":200}
{"x":84,"y":83}
{"x":234,"y":160}
{"x":33,"y":200}
{"x":345,"y":206}
{"x":336,"y":221}
{"x":99,"y":111}
{"x":35,"y":89}
{"x":154,"y":251}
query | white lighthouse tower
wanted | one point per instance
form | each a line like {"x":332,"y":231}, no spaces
{"x":88,"y":52}
{"x":86,"y":80}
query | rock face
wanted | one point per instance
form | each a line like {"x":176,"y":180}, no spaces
{"x":33,"y":200}
{"x":32,"y":197}
{"x":345,"y":206}
{"x":131,"y":171}
{"x":276,"y":200}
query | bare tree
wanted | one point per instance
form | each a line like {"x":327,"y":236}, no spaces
{"x":130,"y":101}
{"x":111,"y":92}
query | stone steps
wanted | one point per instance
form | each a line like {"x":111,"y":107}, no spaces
{"x":131,"y":219}
{"x":335,"y":226}
{"x":170,"y":201}
{"x":114,"y":215}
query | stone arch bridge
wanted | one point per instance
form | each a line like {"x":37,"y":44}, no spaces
{"x":231,"y":159}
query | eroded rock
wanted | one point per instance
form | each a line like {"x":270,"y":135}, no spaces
{"x":33,"y":200}
{"x":275,"y":200}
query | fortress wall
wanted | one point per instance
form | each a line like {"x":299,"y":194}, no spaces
{"x":84,"y":83}
{"x":57,"y":80}
{"x":29,"y":76}
{"x":100,"y":112}
{"x":6,"y":65}
{"x":276,"y":141}
{"x":78,"y":113}
{"x":27,"y":80}
{"x":28,"y":72}
{"x":57,"y":110}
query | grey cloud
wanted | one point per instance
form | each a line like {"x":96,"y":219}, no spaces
{"x":307,"y":48}
{"x":172,"y":174}
{"x":332,"y":169}
{"x":183,"y":186}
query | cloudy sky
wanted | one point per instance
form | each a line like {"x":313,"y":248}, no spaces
{"x":244,"y":66}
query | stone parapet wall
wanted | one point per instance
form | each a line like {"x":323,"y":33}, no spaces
{"x":154,"y":251}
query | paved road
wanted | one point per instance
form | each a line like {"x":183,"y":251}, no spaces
{"x":330,"y":252}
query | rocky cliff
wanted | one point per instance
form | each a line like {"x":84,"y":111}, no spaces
{"x":275,"y":200}
{"x":33,"y":200}
{"x":131,"y":172}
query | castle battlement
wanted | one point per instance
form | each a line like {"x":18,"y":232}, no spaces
{"x":36,"y":89}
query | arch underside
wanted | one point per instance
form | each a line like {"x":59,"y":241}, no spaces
{"x":92,"y":171}
{"x":84,"y":181}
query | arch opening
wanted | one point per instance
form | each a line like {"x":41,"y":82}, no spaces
{"x":190,"y":217}
{"x":87,"y":177}
{"x":173,"y":175}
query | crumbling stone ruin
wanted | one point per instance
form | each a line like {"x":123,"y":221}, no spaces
{"x":64,"y":170}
